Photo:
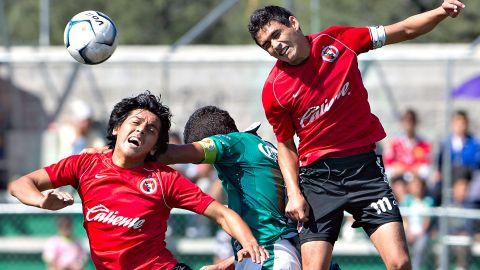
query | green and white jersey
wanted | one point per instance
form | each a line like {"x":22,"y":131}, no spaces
{"x":247,"y":166}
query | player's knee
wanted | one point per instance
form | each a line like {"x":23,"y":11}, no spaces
{"x":399,"y":263}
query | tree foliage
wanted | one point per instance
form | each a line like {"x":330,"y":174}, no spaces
{"x":163,"y":22}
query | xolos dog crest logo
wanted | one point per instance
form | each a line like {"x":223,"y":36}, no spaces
{"x":148,"y":185}
{"x":329,"y":53}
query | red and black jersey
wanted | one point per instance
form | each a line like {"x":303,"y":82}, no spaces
{"x":323,"y":100}
{"x":125,"y":211}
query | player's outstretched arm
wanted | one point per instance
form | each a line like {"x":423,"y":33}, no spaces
{"x":182,"y":153}
{"x":27,"y":189}
{"x":233,"y":224}
{"x":422,"y":23}
{"x":297,"y":207}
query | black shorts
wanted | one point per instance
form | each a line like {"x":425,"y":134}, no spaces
{"x":356,"y":184}
{"x":181,"y":266}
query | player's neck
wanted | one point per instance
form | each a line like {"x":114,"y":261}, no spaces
{"x":126,"y":162}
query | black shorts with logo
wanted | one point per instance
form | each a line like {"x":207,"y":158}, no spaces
{"x":356,"y":184}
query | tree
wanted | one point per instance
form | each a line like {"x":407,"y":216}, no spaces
{"x":162,"y":22}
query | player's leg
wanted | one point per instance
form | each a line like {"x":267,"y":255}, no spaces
{"x":316,"y":255}
{"x":374,"y":208}
{"x":389,"y":239}
{"x":326,"y":197}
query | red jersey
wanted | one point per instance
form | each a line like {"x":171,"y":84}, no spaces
{"x":323,"y":100}
{"x":125,"y":211}
{"x":410,"y":154}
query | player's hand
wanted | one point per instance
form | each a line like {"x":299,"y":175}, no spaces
{"x":452,"y":7}
{"x":253,"y":251}
{"x":95,"y":150}
{"x":297,"y":207}
{"x":54,"y":200}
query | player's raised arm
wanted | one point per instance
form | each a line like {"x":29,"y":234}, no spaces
{"x":422,"y":23}
{"x":27,"y":189}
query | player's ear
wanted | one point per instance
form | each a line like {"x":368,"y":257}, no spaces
{"x":294,"y":22}
{"x":115,"y":131}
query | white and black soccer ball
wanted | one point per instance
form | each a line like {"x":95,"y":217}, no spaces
{"x":90,"y":37}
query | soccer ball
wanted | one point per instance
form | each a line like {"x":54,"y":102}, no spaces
{"x":90,"y":37}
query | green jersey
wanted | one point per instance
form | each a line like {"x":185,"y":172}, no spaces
{"x":251,"y":177}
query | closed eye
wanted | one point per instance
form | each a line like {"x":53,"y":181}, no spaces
{"x":266,"y":45}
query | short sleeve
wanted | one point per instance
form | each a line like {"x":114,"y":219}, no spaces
{"x":278,"y":116}
{"x":358,"y":39}
{"x":186,"y":195}
{"x":65,"y":172}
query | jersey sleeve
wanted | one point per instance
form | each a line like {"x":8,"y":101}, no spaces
{"x":186,"y":195}
{"x":359,"y":39}
{"x":65,"y":172}
{"x":278,"y":116}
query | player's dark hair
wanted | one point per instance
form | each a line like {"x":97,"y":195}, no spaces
{"x":263,"y":16}
{"x":146,"y":101}
{"x":208,"y":121}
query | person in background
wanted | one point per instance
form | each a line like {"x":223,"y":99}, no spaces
{"x":417,"y":223}
{"x":464,"y":148}
{"x":399,"y":188}
{"x":79,"y":130}
{"x":408,"y":155}
{"x":63,"y":251}
{"x":461,"y":227}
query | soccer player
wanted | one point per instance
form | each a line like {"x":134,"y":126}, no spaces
{"x":248,"y":169}
{"x":126,"y":197}
{"x":315,"y":91}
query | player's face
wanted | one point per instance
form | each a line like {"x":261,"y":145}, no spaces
{"x":137,"y":136}
{"x":286,"y":43}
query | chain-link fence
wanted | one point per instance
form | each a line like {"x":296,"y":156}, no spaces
{"x":24,"y":232}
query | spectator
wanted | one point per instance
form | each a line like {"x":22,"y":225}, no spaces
{"x":63,"y":251}
{"x":464,"y":151}
{"x":461,"y":227}
{"x":417,"y":223}
{"x":399,"y":188}
{"x":464,"y":146}
{"x":83,"y":130}
{"x":408,"y":154}
{"x":73,"y":133}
